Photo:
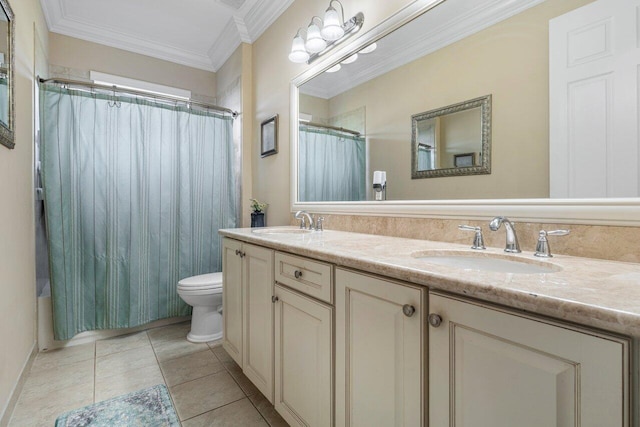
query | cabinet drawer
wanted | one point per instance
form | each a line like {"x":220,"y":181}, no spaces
{"x":310,"y":277}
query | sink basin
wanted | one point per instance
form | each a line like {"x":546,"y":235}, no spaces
{"x":276,"y":230}
{"x":497,"y":263}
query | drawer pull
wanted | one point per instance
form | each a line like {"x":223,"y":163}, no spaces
{"x":297,"y":274}
{"x":274,"y":299}
{"x":408,"y":310}
{"x":435,"y":320}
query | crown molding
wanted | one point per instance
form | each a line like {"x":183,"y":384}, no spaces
{"x":249,"y":20}
{"x":484,"y":15}
{"x":262,"y":14}
{"x":224,"y":46}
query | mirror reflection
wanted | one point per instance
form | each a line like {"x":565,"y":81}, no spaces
{"x":465,"y":49}
{"x":6,"y":72}
{"x":4,"y":69}
{"x":452,"y":141}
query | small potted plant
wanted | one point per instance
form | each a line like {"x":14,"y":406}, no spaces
{"x":258,"y":213}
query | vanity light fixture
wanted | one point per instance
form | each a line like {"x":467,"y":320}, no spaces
{"x":332,"y":29}
{"x":322,"y":35}
{"x":315,"y":43}
{"x":334,"y":68}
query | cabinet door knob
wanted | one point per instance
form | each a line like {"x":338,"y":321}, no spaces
{"x":408,"y":310}
{"x":435,"y":320}
{"x":297,"y":274}
{"x":242,"y":254}
{"x":237,"y":252}
{"x":274,"y":299}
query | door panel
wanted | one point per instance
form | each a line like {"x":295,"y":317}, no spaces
{"x":232,"y":299}
{"x":492,"y":367}
{"x":303,"y":360}
{"x":379,"y":352}
{"x":258,"y":318}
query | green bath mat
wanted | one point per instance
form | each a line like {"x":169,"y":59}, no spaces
{"x":149,"y":407}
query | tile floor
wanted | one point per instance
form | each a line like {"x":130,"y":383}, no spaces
{"x":207,"y":387}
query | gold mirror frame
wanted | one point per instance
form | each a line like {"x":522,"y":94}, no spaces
{"x":7,"y":134}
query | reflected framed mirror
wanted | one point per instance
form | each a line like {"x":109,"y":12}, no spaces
{"x":7,"y":60}
{"x":434,"y":53}
{"x":452,"y":141}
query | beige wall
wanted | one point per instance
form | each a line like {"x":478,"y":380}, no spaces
{"x":317,"y":107}
{"x":273,"y":73}
{"x":233,"y":81}
{"x":82,"y":55}
{"x":17,"y":267}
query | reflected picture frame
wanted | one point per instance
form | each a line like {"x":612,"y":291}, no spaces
{"x":464,"y":160}
{"x":269,"y":136}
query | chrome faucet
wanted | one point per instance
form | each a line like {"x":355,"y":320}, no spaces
{"x":512,"y":239}
{"x":304,"y":216}
{"x":542,"y":247}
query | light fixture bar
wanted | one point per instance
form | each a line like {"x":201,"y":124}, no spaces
{"x":350,"y":27}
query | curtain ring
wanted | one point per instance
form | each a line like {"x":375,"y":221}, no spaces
{"x":114,"y":99}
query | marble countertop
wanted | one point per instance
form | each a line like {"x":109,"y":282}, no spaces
{"x":596,"y":293}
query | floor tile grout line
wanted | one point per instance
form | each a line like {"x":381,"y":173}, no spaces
{"x":215,"y":409}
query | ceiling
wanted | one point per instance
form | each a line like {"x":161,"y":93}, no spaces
{"x":198,"y":33}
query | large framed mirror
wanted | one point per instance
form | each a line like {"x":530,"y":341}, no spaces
{"x":434,"y":53}
{"x":7,"y":60}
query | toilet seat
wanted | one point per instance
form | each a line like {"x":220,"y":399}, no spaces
{"x":204,"y":282}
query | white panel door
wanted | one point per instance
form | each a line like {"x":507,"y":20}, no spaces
{"x":232,"y":298}
{"x":380,"y":352}
{"x":303,"y":359}
{"x":594,"y":59}
{"x":493,"y":368}
{"x":258,"y":281}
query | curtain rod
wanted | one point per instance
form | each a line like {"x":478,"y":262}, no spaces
{"x":319,"y":125}
{"x":115,"y":88}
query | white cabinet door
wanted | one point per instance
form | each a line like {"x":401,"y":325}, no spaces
{"x":258,"y":280}
{"x":490,"y":367}
{"x":594,"y":56}
{"x":232,"y":298}
{"x":303,"y":359}
{"x":380,"y":352}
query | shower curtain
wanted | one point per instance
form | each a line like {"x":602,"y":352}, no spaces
{"x":332,"y":166}
{"x":135,"y":192}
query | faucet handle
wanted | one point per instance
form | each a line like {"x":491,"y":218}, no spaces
{"x":319,"y":223}
{"x":478,"y":240}
{"x":542,"y":247}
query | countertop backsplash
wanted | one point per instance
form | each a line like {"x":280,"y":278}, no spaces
{"x":590,"y":241}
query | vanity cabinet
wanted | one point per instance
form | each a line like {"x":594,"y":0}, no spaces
{"x":493,"y":367}
{"x":380,"y":351}
{"x":248,"y":279}
{"x":303,"y":359}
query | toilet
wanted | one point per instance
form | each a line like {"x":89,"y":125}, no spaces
{"x":204,"y":294}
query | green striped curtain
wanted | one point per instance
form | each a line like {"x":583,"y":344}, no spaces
{"x":332,"y":166}
{"x":135,"y":193}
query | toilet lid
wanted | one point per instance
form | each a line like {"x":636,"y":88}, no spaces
{"x":203,"y":281}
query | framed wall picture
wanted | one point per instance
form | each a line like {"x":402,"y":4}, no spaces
{"x":269,"y":136}
{"x":464,"y":160}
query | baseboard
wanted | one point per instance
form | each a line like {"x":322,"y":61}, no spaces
{"x":17,"y":389}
